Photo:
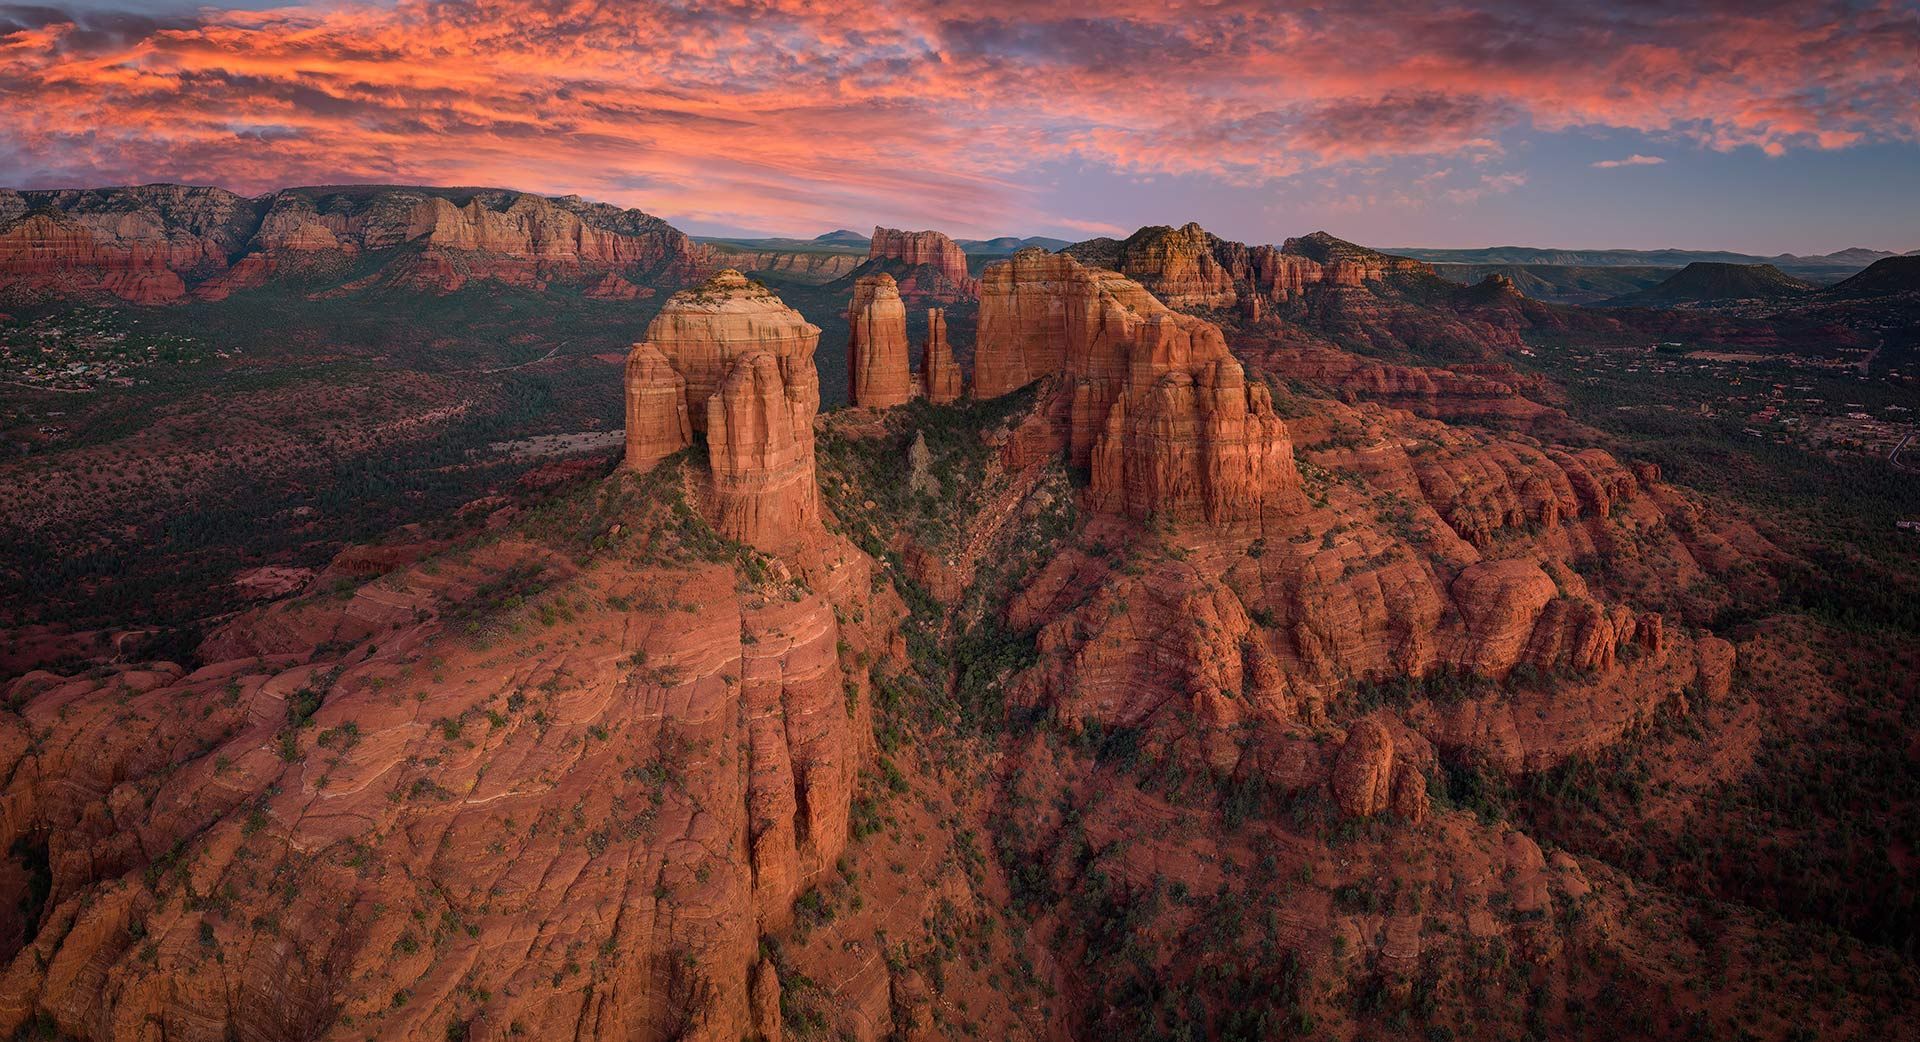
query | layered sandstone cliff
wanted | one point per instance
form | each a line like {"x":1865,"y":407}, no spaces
{"x":940,"y":378}
{"x":730,"y":359}
{"x":160,"y":243}
{"x":879,"y":372}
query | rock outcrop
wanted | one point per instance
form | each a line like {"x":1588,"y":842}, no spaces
{"x":878,"y":360}
{"x":162,"y":243}
{"x":926,"y":264}
{"x":940,"y":377}
{"x":657,"y":410}
{"x":1176,"y":265}
{"x":731,"y":359}
{"x":1151,"y":400}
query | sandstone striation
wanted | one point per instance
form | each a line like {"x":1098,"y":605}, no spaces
{"x":730,"y":359}
{"x":878,"y":368}
{"x":1177,"y":265}
{"x":940,"y":376}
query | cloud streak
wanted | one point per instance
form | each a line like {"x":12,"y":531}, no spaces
{"x":794,"y":114}
{"x":1633,"y":160}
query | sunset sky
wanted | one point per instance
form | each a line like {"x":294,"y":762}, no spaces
{"x":1765,"y":127}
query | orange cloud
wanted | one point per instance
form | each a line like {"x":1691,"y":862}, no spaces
{"x":791,"y":114}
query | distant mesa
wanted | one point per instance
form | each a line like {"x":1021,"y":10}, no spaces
{"x":1009,"y":244}
{"x":1706,"y":281}
{"x":161,"y":244}
{"x":842,"y":237}
{"x":1888,"y":276}
{"x":925,"y":265}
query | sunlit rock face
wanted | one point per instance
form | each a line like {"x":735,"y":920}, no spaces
{"x":879,"y":374}
{"x":731,"y":360}
{"x":1149,"y":399}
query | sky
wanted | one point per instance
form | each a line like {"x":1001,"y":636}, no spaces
{"x":1751,"y":125}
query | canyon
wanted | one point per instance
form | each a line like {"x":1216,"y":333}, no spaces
{"x":1213,"y":638}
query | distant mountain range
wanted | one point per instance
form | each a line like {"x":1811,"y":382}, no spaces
{"x":1830,"y":265}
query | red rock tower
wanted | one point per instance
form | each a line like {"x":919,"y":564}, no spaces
{"x":940,"y":377}
{"x":878,"y":372}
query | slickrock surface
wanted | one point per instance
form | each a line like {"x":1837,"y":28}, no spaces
{"x":940,"y":376}
{"x":879,"y":368}
{"x":926,"y":264}
{"x":158,"y":244}
{"x":731,"y":359}
{"x":421,"y":805}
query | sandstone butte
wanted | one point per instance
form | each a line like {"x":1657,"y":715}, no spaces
{"x":928,"y":264}
{"x":159,"y":244}
{"x":879,"y":368}
{"x":940,"y":378}
{"x":730,"y":359}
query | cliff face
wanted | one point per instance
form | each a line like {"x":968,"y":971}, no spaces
{"x":878,"y":360}
{"x":925,"y":264}
{"x":1149,"y":399}
{"x":731,"y":359}
{"x":162,"y":243}
{"x":940,"y":377}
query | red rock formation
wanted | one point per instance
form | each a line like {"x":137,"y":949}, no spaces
{"x":927,"y":264}
{"x":1151,"y":399}
{"x":657,"y":411}
{"x":1362,"y":779}
{"x":280,"y":844}
{"x":940,"y":377}
{"x":730,"y":358}
{"x":760,"y":444}
{"x":153,"y":243}
{"x":703,"y":330}
{"x":1176,"y":265}
{"x":878,"y":360}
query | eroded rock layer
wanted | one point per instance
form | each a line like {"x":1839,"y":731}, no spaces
{"x":926,"y":264}
{"x":380,"y":815}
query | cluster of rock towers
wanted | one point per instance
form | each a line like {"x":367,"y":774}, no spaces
{"x":1150,"y":401}
{"x":878,"y":371}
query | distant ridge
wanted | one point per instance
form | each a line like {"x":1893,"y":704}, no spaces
{"x":1832,"y":264}
{"x":1885,"y":277}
